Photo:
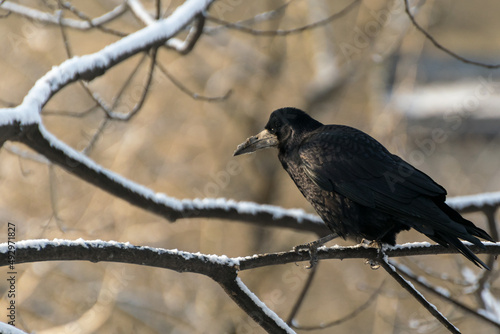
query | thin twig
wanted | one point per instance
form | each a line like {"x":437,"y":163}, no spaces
{"x":146,"y":89}
{"x":194,"y":34}
{"x":189,"y":92}
{"x":257,"y":18}
{"x":99,"y":25}
{"x":438,"y":275}
{"x":44,"y":17}
{"x":95,"y":137}
{"x":64,"y":113}
{"x":349,"y":316}
{"x":256,"y":32}
{"x":302,"y":295}
{"x":25,"y":154}
{"x":158,"y":9}
{"x":415,"y":293}
{"x":441,"y":293}
{"x":440,"y":46}
{"x":485,"y":279}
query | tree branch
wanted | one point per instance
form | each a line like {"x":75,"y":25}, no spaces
{"x":220,"y":268}
{"x":440,"y":292}
{"x":40,"y":16}
{"x":441,"y":47}
{"x":37,"y":138}
{"x":238,"y":26}
{"x":416,"y":294}
{"x":96,"y":251}
{"x":255,"y":308}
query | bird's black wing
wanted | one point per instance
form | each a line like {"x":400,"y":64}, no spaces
{"x":348,"y":161}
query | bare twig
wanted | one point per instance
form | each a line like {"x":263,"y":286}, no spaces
{"x":95,"y":137}
{"x":238,"y":26}
{"x":416,"y":294}
{"x":100,"y":26}
{"x":40,"y":16}
{"x":63,"y":113}
{"x":189,"y":92}
{"x":441,"y":293}
{"x":137,"y":107}
{"x":347,"y":317}
{"x":302,"y":295}
{"x":438,"y":275}
{"x":25,"y":154}
{"x":257,"y":18}
{"x":158,"y":9}
{"x":440,"y":46}
{"x":486,"y":277}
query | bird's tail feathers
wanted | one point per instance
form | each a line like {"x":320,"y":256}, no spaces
{"x":450,"y":240}
{"x":469,"y":226}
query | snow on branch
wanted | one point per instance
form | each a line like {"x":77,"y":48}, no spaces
{"x":408,"y":286}
{"x":445,"y":294}
{"x":220,"y":268}
{"x":38,"y":138}
{"x":181,"y":46}
{"x":40,"y":16}
{"x":247,"y":300}
{"x":90,"y":66}
{"x":475,"y":202}
{"x":8,"y":329}
{"x":113,"y":251}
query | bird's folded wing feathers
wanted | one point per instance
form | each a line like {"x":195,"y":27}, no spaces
{"x":360,"y":168}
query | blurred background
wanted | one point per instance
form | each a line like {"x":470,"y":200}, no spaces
{"x":369,"y":68}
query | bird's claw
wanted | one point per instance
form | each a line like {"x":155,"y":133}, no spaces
{"x":312,"y":249}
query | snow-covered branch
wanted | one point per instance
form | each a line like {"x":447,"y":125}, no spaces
{"x":181,"y":46}
{"x":475,"y":202}
{"x":36,"y":137}
{"x":220,"y":268}
{"x":112,"y":251}
{"x":443,"y":294}
{"x":90,"y":66}
{"x":408,"y":286}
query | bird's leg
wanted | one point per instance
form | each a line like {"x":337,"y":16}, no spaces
{"x":312,"y":248}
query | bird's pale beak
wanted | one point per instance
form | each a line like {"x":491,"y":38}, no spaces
{"x":262,"y":140}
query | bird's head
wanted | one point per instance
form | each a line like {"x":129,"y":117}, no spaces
{"x":283,"y":124}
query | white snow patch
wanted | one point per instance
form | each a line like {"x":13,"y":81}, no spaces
{"x":270,"y":313}
{"x":8,"y":329}
{"x":479,"y":200}
{"x":469,"y":276}
{"x":445,"y":292}
{"x":408,"y":245}
{"x":492,"y":304}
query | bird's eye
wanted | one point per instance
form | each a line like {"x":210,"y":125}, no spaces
{"x":273,"y":130}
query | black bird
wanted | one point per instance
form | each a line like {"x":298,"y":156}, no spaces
{"x":359,"y":189}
